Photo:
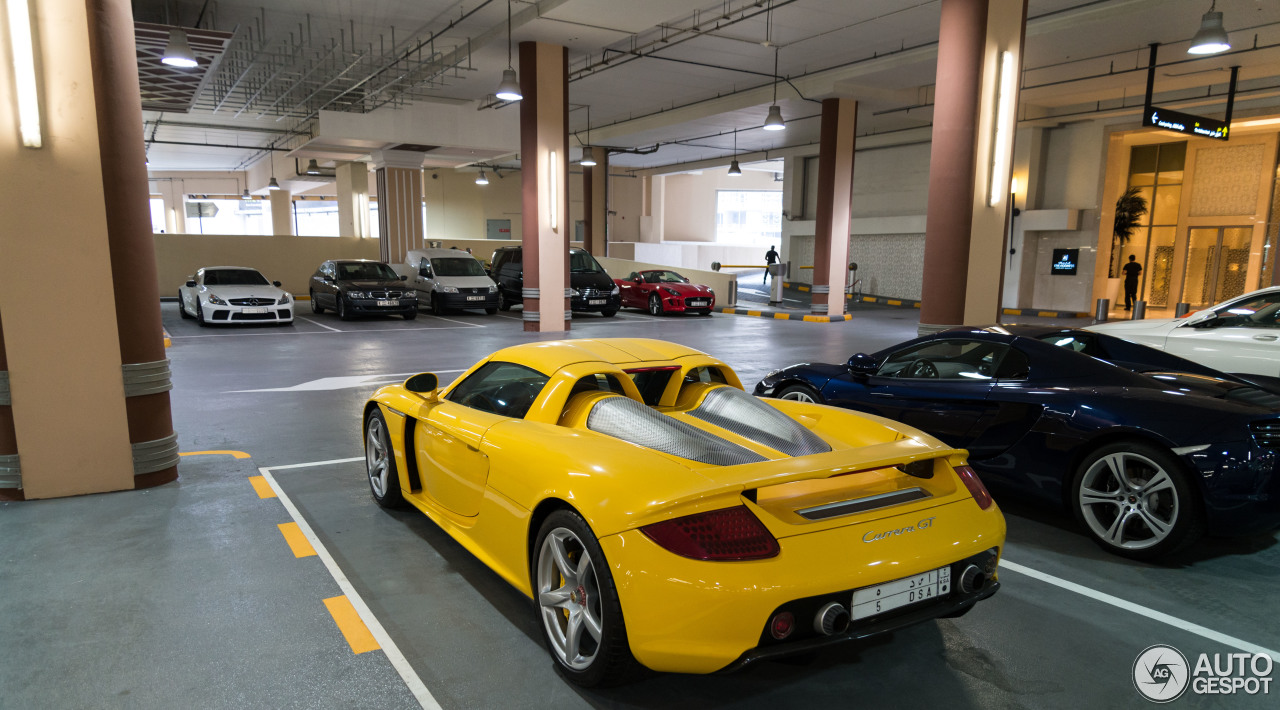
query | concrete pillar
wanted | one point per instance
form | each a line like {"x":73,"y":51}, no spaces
{"x":10,"y":469}
{"x":965,"y":235}
{"x":281,"y":213}
{"x":82,"y":377}
{"x":835,"y":205}
{"x":400,"y":228}
{"x":595,"y":203}
{"x":353,"y":200}
{"x":544,"y":154}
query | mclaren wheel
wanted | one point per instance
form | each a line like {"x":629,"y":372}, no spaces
{"x":380,"y":462}
{"x":1136,"y":501}
{"x":800,"y":393}
{"x":578,"y":603}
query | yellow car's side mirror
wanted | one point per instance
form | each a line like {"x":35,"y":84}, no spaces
{"x":423,"y":384}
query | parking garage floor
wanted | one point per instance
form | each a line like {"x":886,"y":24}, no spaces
{"x":209,"y":593}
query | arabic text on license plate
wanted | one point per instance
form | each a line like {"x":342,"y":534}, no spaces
{"x":922,"y":587}
{"x":388,"y":303}
{"x":597,"y":302}
{"x":475,"y":298}
{"x":253,"y":310}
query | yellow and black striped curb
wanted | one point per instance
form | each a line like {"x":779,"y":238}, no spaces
{"x":786,"y":316}
{"x":1044,"y":314}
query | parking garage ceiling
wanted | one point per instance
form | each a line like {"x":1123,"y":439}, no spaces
{"x":682,"y":76}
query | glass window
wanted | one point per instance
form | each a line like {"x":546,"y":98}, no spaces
{"x":749,"y":217}
{"x":951,"y":359}
{"x":664,"y":277}
{"x":315,"y":218}
{"x":228,"y":215}
{"x":157,"y":215}
{"x":581,"y":262}
{"x":652,"y":382}
{"x":1260,"y":312}
{"x":365,"y":271}
{"x":234,"y":277}
{"x":457,"y":267}
{"x":503,"y":388}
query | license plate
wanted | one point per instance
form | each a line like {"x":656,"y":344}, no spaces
{"x":697,"y":303}
{"x":388,"y":303}
{"x":597,"y":302}
{"x":253,"y":310}
{"x":922,"y":587}
{"x":475,"y":298}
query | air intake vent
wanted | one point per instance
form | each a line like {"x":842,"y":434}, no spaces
{"x":862,"y":505}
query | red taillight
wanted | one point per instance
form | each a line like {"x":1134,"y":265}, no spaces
{"x":725,"y":534}
{"x":971,"y":481}
{"x":782,"y":625}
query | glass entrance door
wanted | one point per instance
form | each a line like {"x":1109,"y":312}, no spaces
{"x":1217,"y":262}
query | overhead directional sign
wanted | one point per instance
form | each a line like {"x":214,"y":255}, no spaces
{"x":1180,"y":122}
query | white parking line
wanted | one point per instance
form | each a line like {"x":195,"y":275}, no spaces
{"x":1140,"y":610}
{"x":469,"y":325}
{"x":341,"y":332}
{"x":398,"y":661}
{"x":322,"y":325}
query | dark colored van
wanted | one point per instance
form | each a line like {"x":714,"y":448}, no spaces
{"x":593,"y":289}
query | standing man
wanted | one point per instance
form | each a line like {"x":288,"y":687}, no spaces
{"x":1131,"y":271}
{"x":770,"y":258}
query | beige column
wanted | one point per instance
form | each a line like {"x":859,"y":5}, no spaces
{"x":835,"y":205}
{"x":281,"y":213}
{"x":66,"y":384}
{"x":400,"y":228}
{"x":544,"y":143}
{"x":974,"y":119}
{"x":353,"y":200}
{"x":595,"y":202}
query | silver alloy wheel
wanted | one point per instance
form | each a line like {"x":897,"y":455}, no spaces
{"x":655,"y":305}
{"x":799,"y":395}
{"x":1128,"y":501}
{"x":377,"y":456}
{"x":569,"y":599}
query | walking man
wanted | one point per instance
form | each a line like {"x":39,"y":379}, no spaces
{"x":1131,"y":271}
{"x":770,"y":258}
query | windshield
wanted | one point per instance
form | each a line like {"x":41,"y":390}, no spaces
{"x":664,"y":277}
{"x":580,"y":262}
{"x":234,"y":277}
{"x":457,"y":267}
{"x":373,"y":271}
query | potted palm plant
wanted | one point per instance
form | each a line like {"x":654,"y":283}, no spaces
{"x":1130,"y":208}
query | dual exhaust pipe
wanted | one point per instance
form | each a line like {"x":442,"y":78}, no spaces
{"x":833,"y":618}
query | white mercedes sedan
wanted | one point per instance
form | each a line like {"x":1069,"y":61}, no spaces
{"x":1241,"y":335}
{"x":234,"y":294}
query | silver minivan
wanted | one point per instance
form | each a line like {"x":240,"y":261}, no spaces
{"x":447,"y":279}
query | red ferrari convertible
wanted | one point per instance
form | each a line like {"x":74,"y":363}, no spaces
{"x":660,"y":291}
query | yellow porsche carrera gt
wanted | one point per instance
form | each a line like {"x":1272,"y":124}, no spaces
{"x":657,"y":513}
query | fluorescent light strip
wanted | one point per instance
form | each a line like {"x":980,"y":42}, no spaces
{"x":24,"y":73}
{"x":1003,"y":140}
{"x":551,"y":191}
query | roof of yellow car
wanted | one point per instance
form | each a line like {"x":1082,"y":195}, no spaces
{"x":550,"y":356}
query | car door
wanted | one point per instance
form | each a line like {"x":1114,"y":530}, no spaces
{"x":1014,"y":405}
{"x":939,"y":386}
{"x":424,"y":280}
{"x":1243,"y":337}
{"x":629,"y":290}
{"x":325,"y":288}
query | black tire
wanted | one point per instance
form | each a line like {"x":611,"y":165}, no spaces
{"x":315,"y":305}
{"x":491,"y":311}
{"x":182,"y":308}
{"x":799,"y":393}
{"x":200,"y":314}
{"x":437,"y":306}
{"x":655,"y":304}
{"x":603,"y":662}
{"x":380,"y":462}
{"x":609,"y":313}
{"x":1136,"y":511}
{"x":411,"y":315}
{"x":503,"y":304}
{"x":343,"y":313}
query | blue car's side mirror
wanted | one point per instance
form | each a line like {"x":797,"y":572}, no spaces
{"x":863,"y":364}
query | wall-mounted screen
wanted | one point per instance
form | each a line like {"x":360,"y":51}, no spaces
{"x":1065,"y":262}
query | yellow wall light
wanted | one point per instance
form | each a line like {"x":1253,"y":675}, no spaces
{"x":553,"y":208}
{"x":1002,"y":144}
{"x":24,"y":72}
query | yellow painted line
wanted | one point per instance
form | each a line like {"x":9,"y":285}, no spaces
{"x":803,"y":288}
{"x":349,"y":623}
{"x":298,"y":543}
{"x":167,"y":342}
{"x":236,"y":454}
{"x":780,"y":316}
{"x":894,"y":302}
{"x":1046,"y":314}
{"x":1011,"y":312}
{"x":753,"y":313}
{"x":869,"y":299}
{"x":262,"y":487}
{"x":917,"y":305}
{"x":813,"y":319}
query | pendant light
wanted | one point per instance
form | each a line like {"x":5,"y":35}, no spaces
{"x":587,"y":160}
{"x":273,"y":185}
{"x":313,"y":168}
{"x":177,"y":53}
{"x":734,"y":169}
{"x":481,"y":179}
{"x":774,"y":122}
{"x":1212,"y":37}
{"x":509,"y":87}
{"x":245,"y":195}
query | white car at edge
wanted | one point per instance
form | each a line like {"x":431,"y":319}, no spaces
{"x":234,"y":294}
{"x":1241,"y":335}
